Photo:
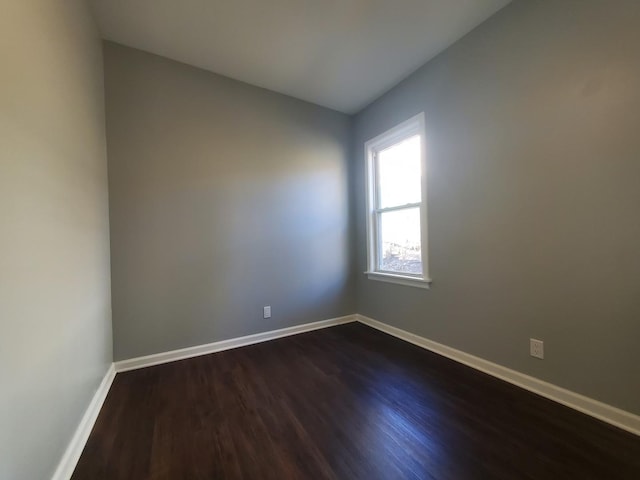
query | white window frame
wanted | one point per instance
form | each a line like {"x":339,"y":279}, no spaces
{"x":409,"y":128}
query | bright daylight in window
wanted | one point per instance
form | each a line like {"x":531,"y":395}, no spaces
{"x":396,"y":194}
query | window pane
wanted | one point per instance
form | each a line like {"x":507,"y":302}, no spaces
{"x":399,"y":173}
{"x":400,"y":249}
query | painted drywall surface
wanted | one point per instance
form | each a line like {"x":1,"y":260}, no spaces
{"x":223,"y":198}
{"x":55,"y":308}
{"x":534,"y":193}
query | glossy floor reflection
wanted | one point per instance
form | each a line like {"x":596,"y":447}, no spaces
{"x":347,"y":402}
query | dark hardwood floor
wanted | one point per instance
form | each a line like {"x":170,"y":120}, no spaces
{"x":346,"y":402}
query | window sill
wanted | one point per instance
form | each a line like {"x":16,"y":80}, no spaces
{"x":399,"y":279}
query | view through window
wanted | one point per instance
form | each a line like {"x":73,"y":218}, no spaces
{"x":399,"y":198}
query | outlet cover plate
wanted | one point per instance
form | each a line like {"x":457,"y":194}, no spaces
{"x":536,"y":348}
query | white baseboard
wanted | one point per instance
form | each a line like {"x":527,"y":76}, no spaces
{"x":619,"y":418}
{"x":189,"y":352}
{"x":72,"y":454}
{"x":612,"y":415}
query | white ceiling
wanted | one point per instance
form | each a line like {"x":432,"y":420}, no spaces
{"x":341,"y":54}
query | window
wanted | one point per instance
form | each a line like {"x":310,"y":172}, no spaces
{"x":396,"y":204}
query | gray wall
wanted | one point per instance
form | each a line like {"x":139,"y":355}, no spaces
{"x":534,"y":200}
{"x":55,"y":309}
{"x":223,"y":198}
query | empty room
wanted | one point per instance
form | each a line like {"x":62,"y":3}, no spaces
{"x":319,"y":239}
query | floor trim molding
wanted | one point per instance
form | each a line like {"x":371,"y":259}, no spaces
{"x":69,"y":460}
{"x":72,"y":454}
{"x":612,"y":415}
{"x":189,"y":352}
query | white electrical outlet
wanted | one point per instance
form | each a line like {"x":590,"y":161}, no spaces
{"x":266,"y":311}
{"x":536,"y":348}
